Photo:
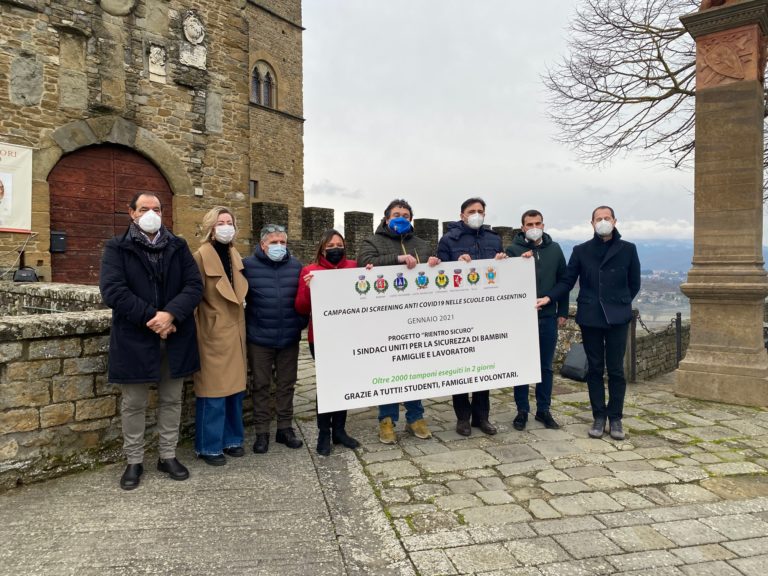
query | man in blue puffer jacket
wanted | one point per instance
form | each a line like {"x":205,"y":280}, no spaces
{"x":273,"y":331}
{"x":466,"y":240}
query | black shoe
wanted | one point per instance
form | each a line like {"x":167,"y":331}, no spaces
{"x":262,"y":443}
{"x":546,"y":419}
{"x":486,"y":427}
{"x":174,"y":468}
{"x":288,"y":437}
{"x":598,"y":428}
{"x":340,"y":436}
{"x":520,"y":420}
{"x":463,"y":427}
{"x":235,"y":451}
{"x":324,"y":443}
{"x":132,"y":476}
{"x":213,"y":460}
{"x":616,"y":429}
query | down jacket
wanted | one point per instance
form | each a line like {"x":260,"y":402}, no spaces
{"x":129,"y":288}
{"x":383,"y":248}
{"x":271,"y":319}
{"x":460,"y":239}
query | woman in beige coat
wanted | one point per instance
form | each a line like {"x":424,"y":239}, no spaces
{"x":220,"y":319}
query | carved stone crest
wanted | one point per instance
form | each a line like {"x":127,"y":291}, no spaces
{"x":730,"y":56}
{"x":193,"y":28}
{"x":157,"y":61}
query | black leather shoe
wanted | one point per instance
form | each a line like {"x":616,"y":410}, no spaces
{"x":486,"y":427}
{"x":520,"y":421}
{"x":175,"y":469}
{"x":213,"y":460}
{"x":262,"y":443}
{"x":546,"y":419}
{"x":288,"y":437}
{"x":340,"y":436}
{"x":132,"y":476}
{"x":324,"y":443}
{"x":235,"y":451}
{"x":463,"y":427}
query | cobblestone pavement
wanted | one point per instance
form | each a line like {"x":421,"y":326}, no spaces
{"x":685,"y":493}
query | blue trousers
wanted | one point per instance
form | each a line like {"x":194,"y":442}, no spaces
{"x":414,"y":410}
{"x":547,"y":344}
{"x":218,"y":424}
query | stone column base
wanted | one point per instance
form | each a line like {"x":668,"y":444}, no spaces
{"x":705,"y":381}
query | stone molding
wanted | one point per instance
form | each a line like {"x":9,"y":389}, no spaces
{"x":727,"y":17}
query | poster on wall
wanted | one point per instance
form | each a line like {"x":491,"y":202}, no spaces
{"x":15,"y":188}
{"x":390,"y":334}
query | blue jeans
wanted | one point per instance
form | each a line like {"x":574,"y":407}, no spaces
{"x":218,"y":424}
{"x":547,"y":344}
{"x":414,"y":410}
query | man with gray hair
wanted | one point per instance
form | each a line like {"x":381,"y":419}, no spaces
{"x":273,"y":330}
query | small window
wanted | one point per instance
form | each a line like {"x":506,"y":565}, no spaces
{"x":264,"y":85}
{"x":253,"y":188}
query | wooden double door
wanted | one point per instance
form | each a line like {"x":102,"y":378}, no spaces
{"x":90,"y":190}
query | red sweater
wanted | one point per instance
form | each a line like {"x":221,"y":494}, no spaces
{"x":303,"y":298}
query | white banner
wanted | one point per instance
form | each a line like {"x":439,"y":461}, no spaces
{"x":15,"y":188}
{"x":390,"y":334}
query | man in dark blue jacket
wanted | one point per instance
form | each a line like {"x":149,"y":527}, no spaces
{"x":152,"y":284}
{"x":273,"y":330}
{"x":550,"y":269}
{"x":608,"y":271}
{"x":466,"y":240}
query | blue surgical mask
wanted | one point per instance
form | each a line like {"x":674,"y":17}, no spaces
{"x":276,"y":252}
{"x":400,"y":225}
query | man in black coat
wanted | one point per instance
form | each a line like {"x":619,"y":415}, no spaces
{"x":608,"y":271}
{"x":152,"y":284}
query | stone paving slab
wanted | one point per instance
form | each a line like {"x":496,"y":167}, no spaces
{"x":685,"y":493}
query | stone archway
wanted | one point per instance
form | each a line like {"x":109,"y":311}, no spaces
{"x":94,"y":131}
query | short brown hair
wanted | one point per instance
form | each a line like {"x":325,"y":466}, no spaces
{"x":530,"y":214}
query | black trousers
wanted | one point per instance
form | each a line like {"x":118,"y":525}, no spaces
{"x":605,"y":349}
{"x":329,"y":420}
{"x":478,"y":409}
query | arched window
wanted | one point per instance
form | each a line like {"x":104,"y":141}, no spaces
{"x":264,"y":85}
{"x":256,"y":86}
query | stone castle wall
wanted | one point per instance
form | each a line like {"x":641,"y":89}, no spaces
{"x":125,"y":72}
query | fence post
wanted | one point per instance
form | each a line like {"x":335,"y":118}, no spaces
{"x":679,"y":337}
{"x":632,"y":343}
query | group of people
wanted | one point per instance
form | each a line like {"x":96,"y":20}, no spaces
{"x":212,"y":314}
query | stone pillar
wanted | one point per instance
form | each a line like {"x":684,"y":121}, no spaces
{"x":263,"y":213}
{"x":507,"y":234}
{"x":315,"y":221}
{"x":726,"y":359}
{"x":427,"y":229}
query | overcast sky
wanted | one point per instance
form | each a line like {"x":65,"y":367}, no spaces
{"x":436,"y":101}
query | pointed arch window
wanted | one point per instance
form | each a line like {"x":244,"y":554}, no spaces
{"x":264,"y":85}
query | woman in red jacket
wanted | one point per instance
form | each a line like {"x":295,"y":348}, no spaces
{"x":331,"y":255}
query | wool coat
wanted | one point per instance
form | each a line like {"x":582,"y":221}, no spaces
{"x":220,"y":320}
{"x":609,"y":278}
{"x":131,"y":288}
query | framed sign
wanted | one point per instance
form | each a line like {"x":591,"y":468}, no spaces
{"x":15,"y":188}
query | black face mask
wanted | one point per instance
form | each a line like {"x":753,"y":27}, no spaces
{"x":334,"y":255}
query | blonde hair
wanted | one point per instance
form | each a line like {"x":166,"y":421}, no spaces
{"x":209,"y":222}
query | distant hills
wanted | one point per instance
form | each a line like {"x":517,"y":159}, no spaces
{"x":669,"y":255}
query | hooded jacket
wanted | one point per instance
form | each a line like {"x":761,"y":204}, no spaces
{"x":482,"y":243}
{"x":271,"y":319}
{"x":609,"y":278}
{"x":303,"y":295}
{"x":383,"y":248}
{"x":550,"y":269}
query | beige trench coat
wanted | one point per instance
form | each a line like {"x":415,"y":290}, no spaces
{"x":220,"y":320}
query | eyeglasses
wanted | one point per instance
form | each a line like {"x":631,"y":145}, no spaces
{"x":272,"y":228}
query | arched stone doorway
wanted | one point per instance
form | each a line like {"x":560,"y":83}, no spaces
{"x":89,"y":192}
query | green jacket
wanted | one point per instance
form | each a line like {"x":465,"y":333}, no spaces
{"x":383,"y":248}
{"x":550,"y":269}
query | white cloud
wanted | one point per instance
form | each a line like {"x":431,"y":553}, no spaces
{"x":633,"y":230}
